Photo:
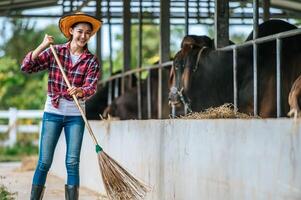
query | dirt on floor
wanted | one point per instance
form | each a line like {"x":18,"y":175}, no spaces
{"x":17,"y":179}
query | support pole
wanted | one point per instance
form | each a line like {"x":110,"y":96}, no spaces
{"x":126,"y":42}
{"x":98,"y":34}
{"x":164,"y":54}
{"x":221,"y":22}
{"x":266,"y":9}
{"x":255,"y":47}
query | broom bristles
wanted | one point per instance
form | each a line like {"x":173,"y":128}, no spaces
{"x":119,"y":184}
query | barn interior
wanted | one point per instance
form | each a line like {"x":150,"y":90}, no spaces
{"x":221,"y":15}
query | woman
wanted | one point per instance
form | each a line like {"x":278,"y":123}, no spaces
{"x":82,"y":70}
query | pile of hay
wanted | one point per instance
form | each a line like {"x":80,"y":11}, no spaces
{"x":29,"y":163}
{"x":225,"y":111}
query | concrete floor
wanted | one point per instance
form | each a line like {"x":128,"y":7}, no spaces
{"x":19,"y":182}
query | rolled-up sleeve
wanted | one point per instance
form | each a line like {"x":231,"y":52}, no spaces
{"x":90,"y":84}
{"x":42,"y":62}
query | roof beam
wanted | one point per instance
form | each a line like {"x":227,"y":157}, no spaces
{"x":27,"y":5}
{"x":288,"y":4}
{"x":84,"y":4}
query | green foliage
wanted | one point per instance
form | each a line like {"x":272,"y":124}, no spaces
{"x":17,"y":152}
{"x":5,"y":194}
{"x":238,"y":38}
{"x":25,"y":38}
{"x":150,"y":47}
{"x":17,"y":89}
{"x":10,"y":80}
{"x":20,"y":90}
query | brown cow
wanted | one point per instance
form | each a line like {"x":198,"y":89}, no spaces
{"x":203,"y":76}
{"x":294,"y":99}
{"x":96,"y":105}
{"x":125,"y":106}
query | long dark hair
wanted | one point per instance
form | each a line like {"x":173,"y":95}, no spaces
{"x":75,"y":24}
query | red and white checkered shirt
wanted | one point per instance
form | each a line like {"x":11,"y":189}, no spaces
{"x":84,"y":73}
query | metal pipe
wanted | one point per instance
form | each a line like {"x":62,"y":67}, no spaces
{"x":149,"y":98}
{"x":173,"y":111}
{"x":126,"y":42}
{"x":139,"y":105}
{"x":255,"y":19}
{"x":116,"y":88}
{"x":84,"y":4}
{"x":133,"y":71}
{"x":235,"y":96}
{"x":160,"y":98}
{"x":266,"y":4}
{"x":110,"y":55}
{"x":71,"y":5}
{"x":264,"y":39}
{"x":278,"y":76}
{"x":255,"y":78}
{"x":255,"y":81}
{"x":99,"y":33}
{"x":185,"y":109}
{"x":164,"y":51}
{"x":186,"y":17}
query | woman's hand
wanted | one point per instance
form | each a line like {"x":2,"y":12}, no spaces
{"x":48,"y":39}
{"x":78,"y":92}
{"x":46,"y":42}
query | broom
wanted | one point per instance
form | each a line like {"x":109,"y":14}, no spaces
{"x":119,"y":184}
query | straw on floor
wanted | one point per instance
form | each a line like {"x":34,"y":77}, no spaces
{"x":119,"y":184}
{"x":225,"y":111}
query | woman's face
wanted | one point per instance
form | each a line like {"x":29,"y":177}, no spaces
{"x":81,"y":34}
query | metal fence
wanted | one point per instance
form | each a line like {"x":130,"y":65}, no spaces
{"x":138,"y":71}
{"x":255,"y":42}
{"x":278,"y":37}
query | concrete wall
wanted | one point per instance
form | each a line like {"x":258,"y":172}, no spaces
{"x":199,"y":159}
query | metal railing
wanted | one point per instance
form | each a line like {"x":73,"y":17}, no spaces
{"x":137,"y":71}
{"x":235,"y":48}
{"x":278,"y":38}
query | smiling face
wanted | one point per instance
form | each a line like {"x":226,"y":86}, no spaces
{"x":81,"y":34}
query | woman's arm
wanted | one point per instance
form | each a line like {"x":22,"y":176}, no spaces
{"x":45,"y":44}
{"x":38,"y":59}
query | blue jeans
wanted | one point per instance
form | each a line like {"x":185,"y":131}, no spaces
{"x":52,"y":127}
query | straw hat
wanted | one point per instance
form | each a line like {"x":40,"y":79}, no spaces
{"x":67,"y":21}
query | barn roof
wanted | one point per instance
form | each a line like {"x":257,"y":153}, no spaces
{"x":200,"y":11}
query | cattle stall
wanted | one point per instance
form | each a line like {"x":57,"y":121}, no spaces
{"x":276,"y":37}
{"x":253,"y":159}
{"x":221,"y":22}
{"x":181,"y":13}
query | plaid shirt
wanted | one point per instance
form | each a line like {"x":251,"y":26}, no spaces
{"x":84,"y":73}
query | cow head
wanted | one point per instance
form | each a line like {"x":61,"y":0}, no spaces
{"x":185,"y":63}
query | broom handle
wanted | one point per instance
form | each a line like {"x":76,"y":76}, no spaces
{"x":74,"y":97}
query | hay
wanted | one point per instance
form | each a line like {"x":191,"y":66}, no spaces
{"x":225,"y":111}
{"x":29,"y":163}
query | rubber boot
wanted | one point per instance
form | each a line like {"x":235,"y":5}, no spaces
{"x":71,"y":192}
{"x":37,"y":192}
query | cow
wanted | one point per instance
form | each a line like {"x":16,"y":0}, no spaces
{"x":96,"y":105}
{"x":294,"y":99}
{"x":125,"y":106}
{"x":202,"y":76}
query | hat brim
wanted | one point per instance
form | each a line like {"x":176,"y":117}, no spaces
{"x":67,"y":21}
